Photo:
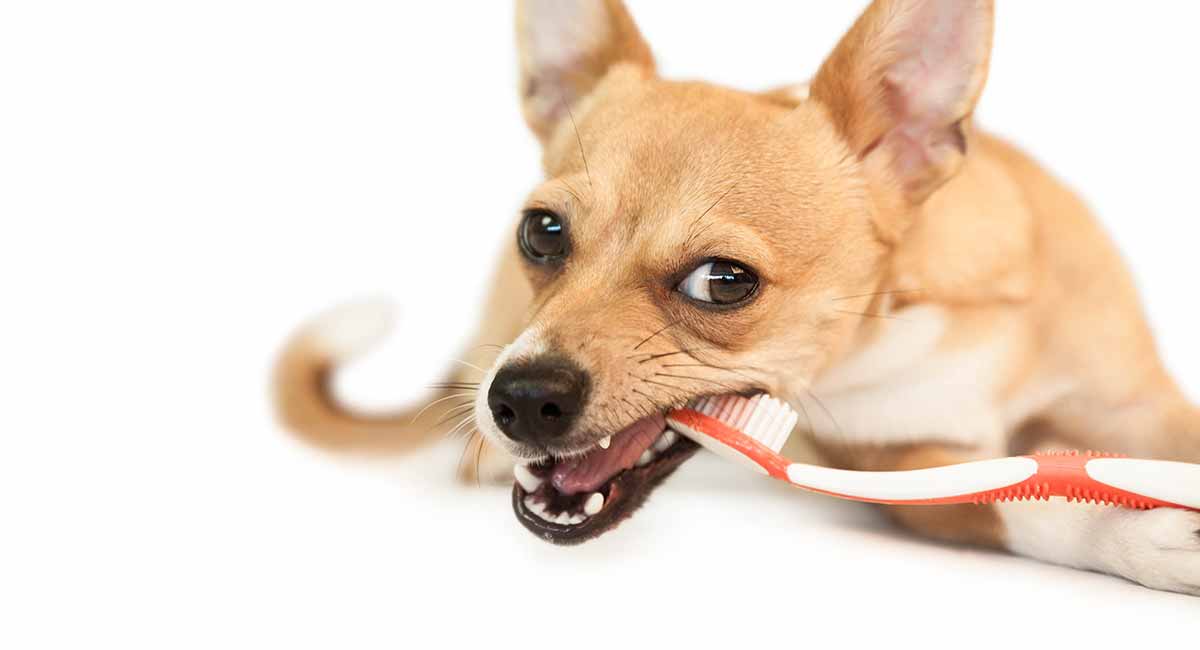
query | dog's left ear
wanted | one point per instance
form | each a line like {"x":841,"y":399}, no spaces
{"x":566,"y":47}
{"x":902,"y":84}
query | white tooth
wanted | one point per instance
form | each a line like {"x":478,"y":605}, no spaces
{"x":528,"y":481}
{"x":593,"y":504}
{"x":534,"y":506}
{"x":647,"y":456}
{"x":667,"y":439}
{"x":563,"y":518}
{"x":605,"y":442}
{"x":578,"y":519}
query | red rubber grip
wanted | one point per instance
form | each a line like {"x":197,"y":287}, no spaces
{"x":1063,"y":474}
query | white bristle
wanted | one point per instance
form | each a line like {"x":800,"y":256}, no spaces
{"x":747,"y":412}
{"x":739,"y":409}
{"x":726,"y":409}
{"x":768,"y":420}
{"x":754,"y":423}
{"x":785,"y":429}
{"x":770,"y":428}
{"x":781,"y":428}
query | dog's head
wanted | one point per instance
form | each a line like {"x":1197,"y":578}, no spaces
{"x":693,"y":240}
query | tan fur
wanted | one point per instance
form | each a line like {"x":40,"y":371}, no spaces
{"x":853,"y":208}
{"x":306,"y":405}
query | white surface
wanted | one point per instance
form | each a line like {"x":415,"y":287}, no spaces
{"x":183,"y":183}
{"x":1158,"y":479}
{"x":932,"y":483}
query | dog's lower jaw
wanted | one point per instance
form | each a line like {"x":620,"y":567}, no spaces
{"x":621,"y":496}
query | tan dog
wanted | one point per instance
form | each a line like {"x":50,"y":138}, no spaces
{"x":924,"y":293}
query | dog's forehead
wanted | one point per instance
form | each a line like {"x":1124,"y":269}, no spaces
{"x":650,"y":136}
{"x":652,"y":161}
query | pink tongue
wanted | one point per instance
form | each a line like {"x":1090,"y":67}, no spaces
{"x":586,"y":473}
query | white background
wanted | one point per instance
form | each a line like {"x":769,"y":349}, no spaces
{"x":182,"y":183}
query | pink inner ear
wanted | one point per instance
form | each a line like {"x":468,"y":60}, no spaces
{"x":937,"y":51}
{"x":938,"y":55}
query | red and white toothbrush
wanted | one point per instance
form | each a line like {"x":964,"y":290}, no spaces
{"x":754,"y":430}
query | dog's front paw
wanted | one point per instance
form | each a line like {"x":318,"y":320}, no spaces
{"x":1156,"y":548}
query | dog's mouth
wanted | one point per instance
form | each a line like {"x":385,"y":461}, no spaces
{"x":572,"y":500}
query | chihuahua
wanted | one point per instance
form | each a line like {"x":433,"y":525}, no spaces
{"x":924,"y":293}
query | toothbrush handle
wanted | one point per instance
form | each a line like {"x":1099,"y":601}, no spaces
{"x":1111,"y":479}
{"x":1091,"y":477}
{"x":1085,"y":477}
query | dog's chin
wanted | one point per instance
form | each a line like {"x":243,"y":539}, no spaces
{"x":559,"y":511}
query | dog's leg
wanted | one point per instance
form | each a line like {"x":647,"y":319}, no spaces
{"x":1156,"y":548}
{"x":308,"y":407}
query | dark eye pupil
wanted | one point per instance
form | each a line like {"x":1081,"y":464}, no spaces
{"x":729,"y":283}
{"x":542,"y":235}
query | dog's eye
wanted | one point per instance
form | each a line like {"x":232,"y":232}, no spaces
{"x":542,"y":237}
{"x":720,"y":283}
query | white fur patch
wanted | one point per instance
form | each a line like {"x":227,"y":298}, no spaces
{"x":1156,"y":548}
{"x":799,"y":92}
{"x":902,"y":388}
{"x":349,"y":330}
{"x":364,"y":383}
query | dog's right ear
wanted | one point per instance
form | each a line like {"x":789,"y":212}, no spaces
{"x":566,"y":47}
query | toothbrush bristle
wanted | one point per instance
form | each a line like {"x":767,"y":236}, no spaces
{"x":768,"y":420}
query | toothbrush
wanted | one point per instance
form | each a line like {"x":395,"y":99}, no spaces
{"x":753,"y":430}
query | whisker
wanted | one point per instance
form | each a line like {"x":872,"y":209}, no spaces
{"x":880,"y":293}
{"x":463,"y":456}
{"x":870,"y":315}
{"x":638,"y":411}
{"x":663,"y":355}
{"x":478,"y":458}
{"x":700,"y":364}
{"x":741,"y":176}
{"x":697,"y":233}
{"x":828,"y":413}
{"x":439,"y":401}
{"x":667,"y":386}
{"x":469,"y":365}
{"x":804,"y":410}
{"x":648,"y":338}
{"x":458,"y":428}
{"x":454,"y":385}
{"x":703,"y":379}
{"x":579,"y":139}
{"x":650,"y":400}
{"x":455,"y":412}
{"x":572,"y":191}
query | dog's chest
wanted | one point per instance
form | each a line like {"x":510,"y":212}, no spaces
{"x":908,"y":386}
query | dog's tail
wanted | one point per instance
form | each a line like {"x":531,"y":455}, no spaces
{"x":301,"y":388}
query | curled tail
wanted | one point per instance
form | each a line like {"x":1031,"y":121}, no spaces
{"x":302,"y":393}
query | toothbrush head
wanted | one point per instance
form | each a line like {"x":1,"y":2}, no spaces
{"x":749,"y":430}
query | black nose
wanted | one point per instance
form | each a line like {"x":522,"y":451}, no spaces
{"x":536,"y":402}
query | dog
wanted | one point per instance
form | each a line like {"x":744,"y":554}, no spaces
{"x":924,"y":293}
